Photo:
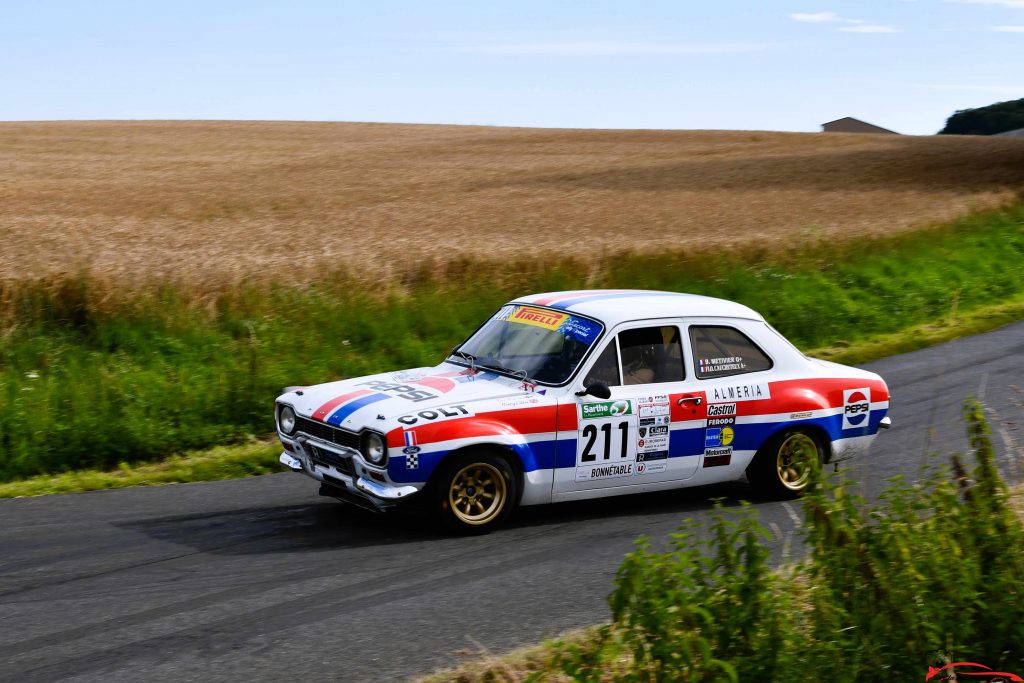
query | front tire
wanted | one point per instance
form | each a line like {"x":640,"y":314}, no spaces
{"x":474,"y":493}
{"x":784,"y":465}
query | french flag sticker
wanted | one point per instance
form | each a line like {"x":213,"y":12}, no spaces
{"x":410,"y":439}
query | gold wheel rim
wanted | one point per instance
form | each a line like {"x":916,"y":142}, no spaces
{"x":794,"y":461}
{"x":477,"y":493}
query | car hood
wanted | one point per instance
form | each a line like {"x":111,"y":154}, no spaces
{"x":378,"y":401}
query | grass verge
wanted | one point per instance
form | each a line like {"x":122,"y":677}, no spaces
{"x":91,"y":377}
{"x":221,"y":462}
{"x":260,"y":457}
{"x":916,"y":337}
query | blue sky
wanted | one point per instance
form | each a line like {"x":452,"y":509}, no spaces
{"x":732,"y":64}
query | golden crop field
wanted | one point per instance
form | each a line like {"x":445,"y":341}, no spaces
{"x":219,"y":201}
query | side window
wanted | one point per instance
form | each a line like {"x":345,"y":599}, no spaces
{"x":724,"y":351}
{"x":651,"y":355}
{"x":606,"y":369}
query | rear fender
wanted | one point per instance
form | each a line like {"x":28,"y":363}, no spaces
{"x":799,"y":401}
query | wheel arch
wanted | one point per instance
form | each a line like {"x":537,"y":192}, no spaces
{"x":816,"y":430}
{"x":800,"y":399}
{"x":502,"y":450}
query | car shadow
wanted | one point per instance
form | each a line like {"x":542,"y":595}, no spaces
{"x":698,"y":499}
{"x":329,"y":525}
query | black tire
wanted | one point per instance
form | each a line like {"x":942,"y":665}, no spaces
{"x":473,"y":492}
{"x":782,"y":467}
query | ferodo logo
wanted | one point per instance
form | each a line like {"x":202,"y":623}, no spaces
{"x":593,"y":411}
{"x":856,"y":407}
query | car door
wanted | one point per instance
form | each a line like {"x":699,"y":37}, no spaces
{"x":733,"y":372}
{"x":629,"y":438}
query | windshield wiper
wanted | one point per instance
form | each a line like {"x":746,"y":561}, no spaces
{"x":466,"y":356}
{"x":522,"y":375}
{"x":508,"y":371}
{"x":474,"y":363}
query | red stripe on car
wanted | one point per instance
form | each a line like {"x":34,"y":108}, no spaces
{"x":328,"y":408}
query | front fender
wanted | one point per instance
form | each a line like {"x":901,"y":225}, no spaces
{"x":415,"y":453}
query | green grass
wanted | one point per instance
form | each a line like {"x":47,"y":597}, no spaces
{"x":221,"y":462}
{"x":91,"y":377}
{"x":255,"y":457}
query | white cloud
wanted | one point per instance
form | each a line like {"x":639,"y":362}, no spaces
{"x":852,"y":25}
{"x":815,"y":17}
{"x":597,"y":49}
{"x":869,"y":28}
{"x":1015,"y":4}
{"x":1007,"y":29}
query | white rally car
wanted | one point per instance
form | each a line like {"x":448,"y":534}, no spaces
{"x":573,"y":395}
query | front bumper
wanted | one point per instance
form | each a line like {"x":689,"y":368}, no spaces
{"x":345,"y":486}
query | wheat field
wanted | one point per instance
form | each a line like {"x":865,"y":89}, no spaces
{"x":206,"y":202}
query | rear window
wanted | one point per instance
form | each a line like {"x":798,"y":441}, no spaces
{"x":720,"y":351}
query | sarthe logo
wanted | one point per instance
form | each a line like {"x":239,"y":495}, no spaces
{"x":619,"y":408}
{"x":950,"y":673}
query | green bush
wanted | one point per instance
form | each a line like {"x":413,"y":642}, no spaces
{"x":934,"y":570}
{"x":995,"y":118}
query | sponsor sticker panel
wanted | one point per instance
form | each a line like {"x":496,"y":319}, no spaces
{"x":653,"y":434}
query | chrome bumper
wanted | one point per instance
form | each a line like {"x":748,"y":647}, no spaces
{"x":290,"y":461}
{"x":379,"y":496}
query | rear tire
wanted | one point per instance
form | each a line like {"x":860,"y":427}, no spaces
{"x":474,"y":492}
{"x":783,"y":466}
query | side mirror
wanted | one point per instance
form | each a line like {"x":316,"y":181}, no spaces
{"x":598,"y":390}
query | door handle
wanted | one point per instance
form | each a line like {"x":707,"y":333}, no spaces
{"x":697,"y":400}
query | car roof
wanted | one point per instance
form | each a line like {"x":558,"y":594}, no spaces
{"x":614,"y":306}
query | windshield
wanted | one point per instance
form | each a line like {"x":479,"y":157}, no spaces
{"x":540,"y":345}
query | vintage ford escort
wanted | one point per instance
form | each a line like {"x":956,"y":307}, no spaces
{"x":572,"y":395}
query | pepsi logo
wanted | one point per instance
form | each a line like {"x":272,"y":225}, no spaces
{"x":857,"y":408}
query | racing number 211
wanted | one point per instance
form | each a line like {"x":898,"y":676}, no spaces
{"x":590,"y":433}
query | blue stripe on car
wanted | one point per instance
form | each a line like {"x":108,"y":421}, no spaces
{"x":338,"y":416}
{"x":561,"y":454}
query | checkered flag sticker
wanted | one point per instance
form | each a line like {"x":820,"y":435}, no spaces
{"x":412,"y":452}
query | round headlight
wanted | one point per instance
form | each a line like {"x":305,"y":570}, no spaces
{"x":373,"y":448}
{"x":286,"y":419}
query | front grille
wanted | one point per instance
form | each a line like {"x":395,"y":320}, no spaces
{"x":323,"y":456}
{"x":326,"y":432}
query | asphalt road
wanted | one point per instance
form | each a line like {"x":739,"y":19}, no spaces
{"x":261,"y":580}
